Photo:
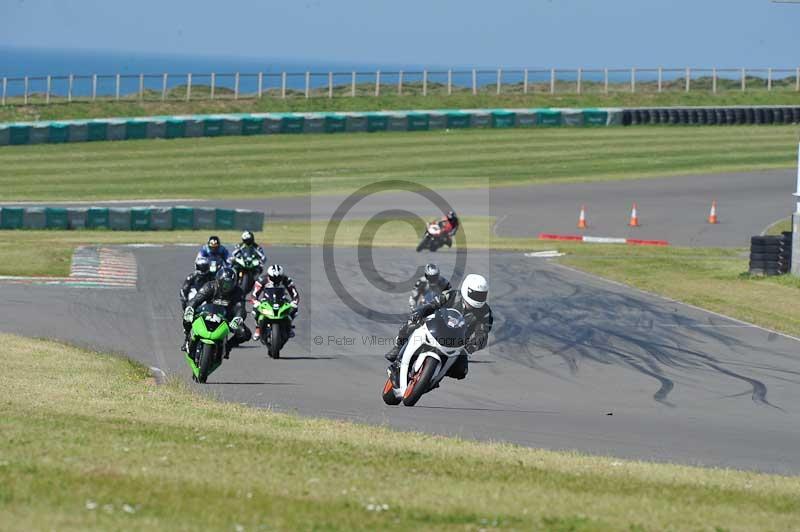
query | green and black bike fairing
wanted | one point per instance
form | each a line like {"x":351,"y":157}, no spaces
{"x":209,"y":327}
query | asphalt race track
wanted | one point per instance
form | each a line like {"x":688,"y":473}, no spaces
{"x":575,"y":362}
{"x":670,"y":208}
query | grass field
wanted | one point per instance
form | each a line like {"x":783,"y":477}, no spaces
{"x":461,"y":100}
{"x":239,"y":167}
{"x":88,"y":442}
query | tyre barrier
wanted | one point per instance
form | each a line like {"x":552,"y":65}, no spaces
{"x":130,"y":219}
{"x":770,"y":255}
{"x":170,"y":127}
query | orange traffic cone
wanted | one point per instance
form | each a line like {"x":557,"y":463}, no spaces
{"x":712,"y":216}
{"x":634,"y":217}
{"x":582,"y":218}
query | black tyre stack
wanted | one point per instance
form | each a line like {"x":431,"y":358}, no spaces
{"x":770,"y":255}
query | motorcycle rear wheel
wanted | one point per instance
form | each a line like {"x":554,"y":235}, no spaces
{"x":420,"y":382}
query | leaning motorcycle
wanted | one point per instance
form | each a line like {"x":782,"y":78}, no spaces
{"x":426,"y":357}
{"x":247,"y":265}
{"x":208,"y":341}
{"x":273,"y":316}
{"x":433,"y":239}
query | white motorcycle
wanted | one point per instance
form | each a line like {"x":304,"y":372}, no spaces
{"x":426,"y":357}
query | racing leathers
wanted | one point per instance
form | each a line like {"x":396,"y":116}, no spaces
{"x":263,"y":282}
{"x":423,"y":285}
{"x":255,"y":247}
{"x":196,"y":280}
{"x":233,"y":302}
{"x":220,"y":257}
{"x":478,"y":320}
{"x":449,"y":229}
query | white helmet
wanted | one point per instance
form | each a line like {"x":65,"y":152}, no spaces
{"x":474,"y":290}
{"x":275,"y":272}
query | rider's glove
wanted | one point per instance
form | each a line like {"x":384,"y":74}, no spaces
{"x":293,"y":304}
{"x":236,"y":323}
{"x":415,"y":317}
{"x":188,"y":314}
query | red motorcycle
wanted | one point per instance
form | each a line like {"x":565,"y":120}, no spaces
{"x":437,"y":234}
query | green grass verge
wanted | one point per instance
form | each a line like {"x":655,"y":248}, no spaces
{"x":711,"y":278}
{"x":779,"y":226}
{"x":460,"y":100}
{"x":241,"y":167}
{"x":87,"y":442}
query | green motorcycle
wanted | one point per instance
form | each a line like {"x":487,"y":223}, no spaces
{"x":273,"y":317}
{"x":208,"y":341}
{"x":247,"y":265}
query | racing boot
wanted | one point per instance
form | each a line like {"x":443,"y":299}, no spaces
{"x":391,"y":356}
{"x":257,"y":334}
{"x":394,"y":373}
{"x":291,"y":331}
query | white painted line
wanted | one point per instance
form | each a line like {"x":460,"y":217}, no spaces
{"x":544,"y":254}
{"x":158,"y":374}
{"x":675,"y":301}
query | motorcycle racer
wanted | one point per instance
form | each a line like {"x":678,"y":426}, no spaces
{"x":275,"y":276}
{"x":215,"y":252}
{"x":196,"y":280}
{"x":470,"y":300}
{"x":431,"y":280}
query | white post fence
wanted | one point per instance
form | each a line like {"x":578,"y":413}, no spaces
{"x":474,"y":82}
{"x":46,"y":88}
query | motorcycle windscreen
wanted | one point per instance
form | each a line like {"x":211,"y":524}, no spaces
{"x":448,"y":327}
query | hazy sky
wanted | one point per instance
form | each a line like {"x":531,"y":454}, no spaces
{"x":566,"y":33}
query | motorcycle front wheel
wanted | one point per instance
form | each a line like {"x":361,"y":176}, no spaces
{"x":274,"y":347}
{"x":388,"y":394}
{"x":420,"y":382}
{"x":206,"y":361}
{"x":422,"y":243}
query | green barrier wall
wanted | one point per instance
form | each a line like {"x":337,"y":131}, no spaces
{"x":130,"y":219}
{"x":12,"y":217}
{"x":97,"y":218}
{"x":56,"y":218}
{"x":182,"y":218}
{"x":170,"y":127}
{"x":140,"y":219}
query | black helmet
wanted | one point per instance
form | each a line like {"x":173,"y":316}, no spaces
{"x":202,"y":265}
{"x":226,"y":280}
{"x":431,"y":273}
{"x":451,"y":215}
{"x":248,"y":239}
{"x":213,"y":243}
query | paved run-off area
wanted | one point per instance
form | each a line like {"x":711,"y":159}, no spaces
{"x":574,"y":362}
